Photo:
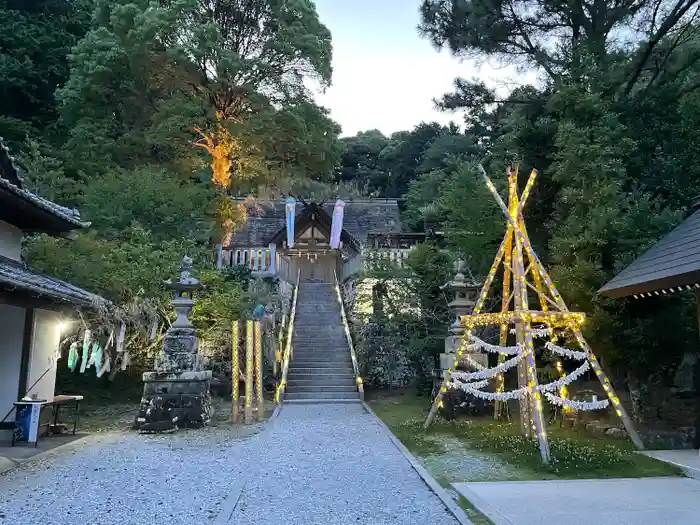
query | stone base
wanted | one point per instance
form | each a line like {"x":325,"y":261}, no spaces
{"x":174,"y":400}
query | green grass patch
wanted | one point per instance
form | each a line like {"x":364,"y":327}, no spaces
{"x":476,"y":517}
{"x":575,"y":454}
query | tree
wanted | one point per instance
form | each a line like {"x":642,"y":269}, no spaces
{"x":35,"y":37}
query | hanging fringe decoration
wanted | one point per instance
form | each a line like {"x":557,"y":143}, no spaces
{"x":73,"y":356}
{"x":572,"y":354}
{"x":337,"y":224}
{"x":564,"y":381}
{"x":492,"y":396}
{"x":120,"y":338}
{"x":488,"y":372}
{"x":577,"y":405}
{"x":86,"y":351}
{"x":478,"y":344}
{"x":477,"y":385}
{"x":290,"y":209}
{"x":537,"y":333}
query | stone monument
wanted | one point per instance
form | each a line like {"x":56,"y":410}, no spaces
{"x":463,"y":304}
{"x":176,"y":392}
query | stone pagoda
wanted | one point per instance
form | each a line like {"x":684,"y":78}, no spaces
{"x":176,"y":393}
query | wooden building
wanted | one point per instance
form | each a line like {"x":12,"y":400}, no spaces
{"x":33,"y":306}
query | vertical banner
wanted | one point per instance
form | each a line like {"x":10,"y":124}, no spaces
{"x":235,"y":370}
{"x":290,"y":208}
{"x":259,"y":371}
{"x":337,"y":227}
{"x":249,"y":364}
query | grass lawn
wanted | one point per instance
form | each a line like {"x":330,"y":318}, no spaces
{"x":481,"y":449}
{"x":575,"y":454}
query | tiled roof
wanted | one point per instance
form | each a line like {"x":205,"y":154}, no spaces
{"x":16,"y":276}
{"x":266,"y":218}
{"x":673,"y":261}
{"x":11,"y":180}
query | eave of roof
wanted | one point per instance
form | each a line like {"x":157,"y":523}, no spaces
{"x":16,"y":276}
{"x":672,"y":262}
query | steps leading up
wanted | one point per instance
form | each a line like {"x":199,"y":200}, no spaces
{"x":321,"y":369}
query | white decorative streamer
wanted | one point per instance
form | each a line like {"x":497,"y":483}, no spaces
{"x":576,"y":405}
{"x":572,"y":354}
{"x":538,"y":333}
{"x":573,"y":376}
{"x":492,"y":396}
{"x":488,"y":372}
{"x":477,"y":385}
{"x":483,"y":345}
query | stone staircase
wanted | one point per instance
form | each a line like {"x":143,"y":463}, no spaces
{"x":321,"y":367}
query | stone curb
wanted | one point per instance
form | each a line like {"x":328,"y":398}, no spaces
{"x":433,"y":485}
{"x":479,"y":504}
{"x":11,"y":464}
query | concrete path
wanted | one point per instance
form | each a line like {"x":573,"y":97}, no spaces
{"x":645,"y":501}
{"x":313,"y":465}
{"x":332,"y":465}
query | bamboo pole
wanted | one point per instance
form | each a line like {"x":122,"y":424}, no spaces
{"x":235,"y":371}
{"x":259,"y":371}
{"x":249,"y":355}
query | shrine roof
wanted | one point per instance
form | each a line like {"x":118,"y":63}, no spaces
{"x":672,"y":262}
{"x":362,"y":216}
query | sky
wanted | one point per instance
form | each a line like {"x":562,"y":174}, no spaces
{"x":385,"y":75}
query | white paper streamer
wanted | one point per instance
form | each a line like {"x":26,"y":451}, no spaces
{"x":154,"y":330}
{"x":573,"y":376}
{"x":106,"y":365}
{"x":120,"y":338}
{"x":572,"y":354}
{"x":478,"y":384}
{"x":492,"y":396}
{"x":477,"y":343}
{"x":538,"y":333}
{"x":576,"y":405}
{"x":488,"y":372}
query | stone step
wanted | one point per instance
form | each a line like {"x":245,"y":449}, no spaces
{"x":321,"y":388}
{"x":320,"y":380}
{"x":321,"y":395}
{"x":322,"y":363}
{"x":314,"y":401}
{"x":302,"y":374}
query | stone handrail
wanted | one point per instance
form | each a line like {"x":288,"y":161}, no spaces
{"x":346,"y":327}
{"x":288,"y":348}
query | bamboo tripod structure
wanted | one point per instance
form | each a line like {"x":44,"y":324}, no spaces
{"x":515,"y":250}
{"x":253,"y":372}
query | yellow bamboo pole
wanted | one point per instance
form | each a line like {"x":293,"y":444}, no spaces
{"x":235,"y":371}
{"x":259,"y":371}
{"x":248,"y":412}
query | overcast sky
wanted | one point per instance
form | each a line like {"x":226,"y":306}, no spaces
{"x":384,"y":75}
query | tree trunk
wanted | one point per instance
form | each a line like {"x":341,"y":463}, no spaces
{"x":639,"y":397}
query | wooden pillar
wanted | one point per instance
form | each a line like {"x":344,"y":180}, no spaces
{"x":249,"y":365}
{"x":235,"y":371}
{"x":259,"y":371}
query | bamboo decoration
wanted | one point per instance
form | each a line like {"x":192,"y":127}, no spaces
{"x":259,"y":371}
{"x":524,"y":272}
{"x":235,"y":371}
{"x":249,"y":365}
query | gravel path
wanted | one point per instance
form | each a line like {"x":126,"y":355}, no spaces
{"x":129,"y":479}
{"x":333,"y":464}
{"x":313,"y":465}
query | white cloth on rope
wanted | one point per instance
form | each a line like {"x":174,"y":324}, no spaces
{"x":488,"y":372}
{"x":477,"y":343}
{"x":492,"y":396}
{"x":537,"y":333}
{"x":572,"y":354}
{"x":573,"y":376}
{"x":576,"y":405}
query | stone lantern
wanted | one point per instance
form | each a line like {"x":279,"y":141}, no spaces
{"x":176,"y":391}
{"x":465,"y":292}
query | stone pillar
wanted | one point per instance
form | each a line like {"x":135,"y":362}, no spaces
{"x":463,"y":304}
{"x":176,"y":392}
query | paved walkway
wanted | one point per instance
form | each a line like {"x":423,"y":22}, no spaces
{"x":314,"y":465}
{"x":645,"y":501}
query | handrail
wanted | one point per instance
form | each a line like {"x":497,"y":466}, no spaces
{"x":288,"y":349}
{"x":346,"y":327}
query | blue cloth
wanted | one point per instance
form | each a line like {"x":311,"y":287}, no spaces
{"x":259,"y":311}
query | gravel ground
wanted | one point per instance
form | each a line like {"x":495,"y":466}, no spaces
{"x":129,"y":479}
{"x":313,"y":465}
{"x":331,"y":465}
